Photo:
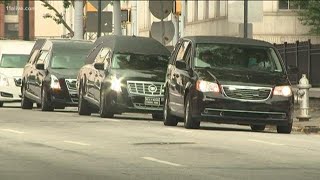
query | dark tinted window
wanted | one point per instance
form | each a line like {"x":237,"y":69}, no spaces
{"x":238,"y":57}
{"x":14,"y":60}
{"x":139,"y":61}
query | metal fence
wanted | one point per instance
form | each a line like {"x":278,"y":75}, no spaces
{"x":305,"y":56}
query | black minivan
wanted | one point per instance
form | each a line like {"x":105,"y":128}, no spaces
{"x":228,"y":80}
{"x":123,"y":74}
{"x":49,"y":77}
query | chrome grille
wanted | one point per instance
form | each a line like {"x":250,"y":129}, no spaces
{"x":247,"y":92}
{"x":71,"y":84}
{"x":18,"y":81}
{"x":148,"y":107}
{"x":145,"y":88}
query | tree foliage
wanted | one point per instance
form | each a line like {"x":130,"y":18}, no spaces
{"x":309,"y":13}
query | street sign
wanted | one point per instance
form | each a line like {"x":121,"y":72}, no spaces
{"x":92,"y":21}
{"x":94,"y":4}
{"x":156,"y":31}
{"x":161,"y":9}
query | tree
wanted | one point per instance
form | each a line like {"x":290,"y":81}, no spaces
{"x":309,"y":13}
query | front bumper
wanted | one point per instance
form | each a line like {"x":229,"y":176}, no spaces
{"x":11,"y":93}
{"x":123,"y":102}
{"x":64,"y":98}
{"x":220,"y":109}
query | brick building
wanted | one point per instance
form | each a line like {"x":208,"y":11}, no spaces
{"x":11,"y":20}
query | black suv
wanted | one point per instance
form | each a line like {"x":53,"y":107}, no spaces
{"x":49,"y":77}
{"x":123,"y":74}
{"x":228,"y":80}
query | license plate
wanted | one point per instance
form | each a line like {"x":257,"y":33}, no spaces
{"x":151,"y":101}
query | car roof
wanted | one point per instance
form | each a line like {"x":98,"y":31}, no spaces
{"x":16,"y":46}
{"x":228,"y":40}
{"x":132,"y":44}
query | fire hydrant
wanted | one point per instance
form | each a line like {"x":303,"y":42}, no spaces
{"x":302,"y":97}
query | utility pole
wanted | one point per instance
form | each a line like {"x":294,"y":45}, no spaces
{"x":134,"y":17}
{"x":99,"y":18}
{"x":183,"y":16}
{"x":117,"y":17}
{"x":26,"y":34}
{"x":245,"y":23}
{"x":78,"y":19}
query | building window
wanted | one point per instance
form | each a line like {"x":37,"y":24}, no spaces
{"x":11,"y":8}
{"x":288,"y":4}
{"x":11,"y":30}
{"x":206,"y":9}
{"x":195,"y":11}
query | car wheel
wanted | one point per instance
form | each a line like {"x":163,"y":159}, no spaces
{"x":157,"y":116}
{"x":1,"y":104}
{"x":189,"y":122}
{"x":258,"y":128}
{"x":83,"y":105}
{"x":105,"y":107}
{"x":25,"y":102}
{"x":45,"y":104}
{"x":285,"y":129}
{"x":168,"y":118}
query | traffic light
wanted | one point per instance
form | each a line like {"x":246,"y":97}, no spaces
{"x":176,"y":7}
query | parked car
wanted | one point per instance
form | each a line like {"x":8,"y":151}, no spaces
{"x":49,"y":77}
{"x":13,"y":57}
{"x":228,"y":80}
{"x":123,"y":74}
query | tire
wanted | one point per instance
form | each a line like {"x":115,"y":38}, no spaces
{"x":105,"y":107}
{"x":45,"y":104}
{"x":168,"y":118}
{"x":258,"y":128}
{"x":1,"y":104}
{"x":157,"y":116}
{"x":189,"y":122}
{"x":285,"y":129}
{"x":25,"y":102}
{"x":83,"y":106}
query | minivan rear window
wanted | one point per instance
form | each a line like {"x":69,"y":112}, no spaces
{"x":13,"y":60}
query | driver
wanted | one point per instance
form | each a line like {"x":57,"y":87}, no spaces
{"x":205,"y":58}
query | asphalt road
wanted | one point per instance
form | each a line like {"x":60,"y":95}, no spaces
{"x":61,"y":145}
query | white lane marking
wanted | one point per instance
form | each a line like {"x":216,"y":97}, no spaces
{"x":77,"y":143}
{"x":113,"y":120}
{"x":266,"y":142}
{"x":160,"y":161}
{"x":13,"y":131}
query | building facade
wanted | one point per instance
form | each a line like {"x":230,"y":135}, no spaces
{"x":273,"y":21}
{"x":11,"y":20}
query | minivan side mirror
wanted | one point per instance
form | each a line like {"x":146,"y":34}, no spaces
{"x":292,"y":69}
{"x":40,"y":66}
{"x":99,"y":66}
{"x":181,"y":65}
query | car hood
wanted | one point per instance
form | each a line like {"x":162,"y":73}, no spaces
{"x":64,"y":73}
{"x":12,"y":72}
{"x":240,"y":77}
{"x":140,"y":75}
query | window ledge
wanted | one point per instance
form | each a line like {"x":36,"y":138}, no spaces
{"x":207,"y":20}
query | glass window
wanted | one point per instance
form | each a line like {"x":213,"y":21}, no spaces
{"x":139,"y":61}
{"x":11,"y":8}
{"x":12,"y":30}
{"x":237,"y":57}
{"x":287,"y":4}
{"x":68,"y":58}
{"x":13,"y":60}
{"x":182,"y":51}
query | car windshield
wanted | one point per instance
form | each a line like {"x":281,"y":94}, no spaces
{"x":237,"y":57}
{"x":73,"y":59}
{"x":139,"y":61}
{"x":13,"y":60}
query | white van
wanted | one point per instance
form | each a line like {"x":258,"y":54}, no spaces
{"x":13,"y":56}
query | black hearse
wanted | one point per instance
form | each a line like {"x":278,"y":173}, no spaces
{"x":49,"y":77}
{"x":228,"y":80}
{"x":123,"y":74}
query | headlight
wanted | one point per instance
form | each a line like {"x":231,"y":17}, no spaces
{"x":55,"y":83}
{"x":282,"y":91}
{"x":116,"y":84}
{"x":4,"y":80}
{"x":205,"y":86}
